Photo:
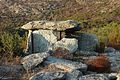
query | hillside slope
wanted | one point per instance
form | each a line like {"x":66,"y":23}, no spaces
{"x":18,"y":12}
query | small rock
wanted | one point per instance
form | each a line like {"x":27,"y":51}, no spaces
{"x":33,"y":60}
{"x":112,"y":76}
{"x":73,"y":75}
{"x":99,"y":64}
{"x":62,"y":53}
{"x":66,"y":65}
{"x":70,"y":44}
{"x":86,"y":53}
{"x":109,"y":49}
{"x":48,"y":76}
{"x":114,"y":59}
{"x":94,"y":77}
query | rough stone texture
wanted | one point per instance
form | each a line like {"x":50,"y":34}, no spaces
{"x":114,"y":58}
{"x":48,"y":76}
{"x":66,"y":65}
{"x":94,"y":77}
{"x":86,"y":53}
{"x":118,"y":76}
{"x":87,"y":42}
{"x":62,"y":53}
{"x":99,"y":64}
{"x":33,"y":60}
{"x":52,"y":25}
{"x":73,"y":75}
{"x":70,"y":44}
{"x":109,"y":49}
{"x":43,"y":40}
{"x":29,"y":43}
{"x":112,"y":76}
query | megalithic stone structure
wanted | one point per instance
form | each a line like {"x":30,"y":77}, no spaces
{"x":43,"y":34}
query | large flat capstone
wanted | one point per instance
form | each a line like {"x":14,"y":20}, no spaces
{"x":52,"y":25}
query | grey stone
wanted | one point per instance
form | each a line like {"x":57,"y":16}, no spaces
{"x":10,"y":68}
{"x":94,"y":77}
{"x":112,"y":76}
{"x":73,"y":75}
{"x":109,"y":49}
{"x":52,"y":25}
{"x":70,"y":44}
{"x":87,"y":42}
{"x":48,"y":76}
{"x":114,"y":58}
{"x":33,"y":60}
{"x":43,"y":40}
{"x":86,"y":53}
{"x":66,"y":65}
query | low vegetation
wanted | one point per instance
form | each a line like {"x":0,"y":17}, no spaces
{"x":108,"y":34}
{"x":12,"y":45}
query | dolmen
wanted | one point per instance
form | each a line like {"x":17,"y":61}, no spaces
{"x":44,"y":34}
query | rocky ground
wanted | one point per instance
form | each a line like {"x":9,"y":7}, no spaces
{"x":74,"y":57}
{"x":60,"y":64}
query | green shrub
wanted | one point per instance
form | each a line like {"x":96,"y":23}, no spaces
{"x":108,"y":34}
{"x":11,"y":44}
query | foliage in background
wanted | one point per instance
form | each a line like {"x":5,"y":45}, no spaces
{"x":11,"y":45}
{"x":108,"y":34}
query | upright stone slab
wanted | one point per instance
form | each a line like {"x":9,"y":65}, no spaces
{"x":29,"y":43}
{"x":87,"y":42}
{"x":43,"y":40}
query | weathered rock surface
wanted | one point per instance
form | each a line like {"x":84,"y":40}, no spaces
{"x":48,"y":76}
{"x":62,"y":53}
{"x":109,"y":49}
{"x":9,"y":68}
{"x":118,"y":76}
{"x":114,"y":58}
{"x":52,"y":25}
{"x":66,"y":65}
{"x":43,"y":40}
{"x":70,"y":44}
{"x":99,"y":64}
{"x":33,"y":60}
{"x":112,"y":76}
{"x":87,"y":42}
{"x":29,"y":43}
{"x":94,"y":77}
{"x":86,"y":53}
{"x":73,"y":75}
